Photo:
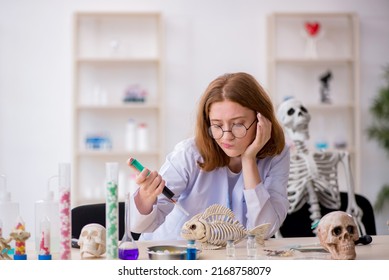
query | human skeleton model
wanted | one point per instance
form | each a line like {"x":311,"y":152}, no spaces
{"x":313,"y":176}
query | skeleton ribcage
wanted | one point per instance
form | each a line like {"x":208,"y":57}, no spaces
{"x":319,"y":170}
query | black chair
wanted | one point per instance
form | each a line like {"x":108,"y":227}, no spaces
{"x":298,"y":224}
{"x":95,"y":213}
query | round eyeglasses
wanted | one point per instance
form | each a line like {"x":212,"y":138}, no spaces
{"x":238,"y":130}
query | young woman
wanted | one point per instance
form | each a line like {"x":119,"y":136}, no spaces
{"x":238,"y":158}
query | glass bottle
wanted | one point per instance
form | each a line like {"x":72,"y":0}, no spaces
{"x":251,"y":247}
{"x":191,"y":250}
{"x":128,"y":250}
{"x":230,"y":249}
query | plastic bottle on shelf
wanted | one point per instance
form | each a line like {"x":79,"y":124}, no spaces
{"x":48,"y":208}
{"x":143,"y":137}
{"x":130,"y":138}
{"x":9,"y":211}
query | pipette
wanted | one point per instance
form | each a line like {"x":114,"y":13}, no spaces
{"x":166,"y":191}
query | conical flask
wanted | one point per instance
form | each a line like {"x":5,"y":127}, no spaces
{"x":128,"y":250}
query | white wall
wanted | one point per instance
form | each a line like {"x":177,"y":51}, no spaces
{"x":204,"y":38}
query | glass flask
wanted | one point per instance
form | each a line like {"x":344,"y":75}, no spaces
{"x":128,"y":250}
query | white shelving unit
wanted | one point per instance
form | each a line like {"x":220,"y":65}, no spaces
{"x":294,"y":69}
{"x":114,"y":53}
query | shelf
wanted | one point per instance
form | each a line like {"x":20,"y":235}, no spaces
{"x":313,"y":61}
{"x":133,"y":106}
{"x":117,"y":56}
{"x":324,"y":107}
{"x":113,"y":60}
{"x":297,"y":64}
{"x":123,"y":153}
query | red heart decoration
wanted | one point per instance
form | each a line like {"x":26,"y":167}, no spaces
{"x":312,"y":28}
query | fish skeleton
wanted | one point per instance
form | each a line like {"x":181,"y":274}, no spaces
{"x":216,"y":225}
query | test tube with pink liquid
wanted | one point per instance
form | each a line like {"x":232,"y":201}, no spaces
{"x":44,"y":243}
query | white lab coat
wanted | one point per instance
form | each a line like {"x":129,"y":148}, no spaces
{"x":195,"y":190}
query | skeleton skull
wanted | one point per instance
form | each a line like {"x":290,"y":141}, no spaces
{"x":337,"y":233}
{"x":295,"y":118}
{"x":92,"y":240}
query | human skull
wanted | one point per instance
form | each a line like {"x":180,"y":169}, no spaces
{"x":92,"y":240}
{"x":337,"y":233}
{"x":295,"y":119}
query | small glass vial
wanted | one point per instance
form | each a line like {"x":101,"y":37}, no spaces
{"x":230,"y":249}
{"x":191,"y":250}
{"x":251,"y":247}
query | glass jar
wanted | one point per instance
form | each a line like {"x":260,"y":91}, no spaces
{"x":251,"y":247}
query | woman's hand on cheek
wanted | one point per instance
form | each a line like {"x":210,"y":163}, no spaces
{"x":262,"y":136}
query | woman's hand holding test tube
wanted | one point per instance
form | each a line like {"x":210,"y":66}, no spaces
{"x":151,"y":185}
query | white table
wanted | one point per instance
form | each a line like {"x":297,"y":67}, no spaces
{"x":377,"y":250}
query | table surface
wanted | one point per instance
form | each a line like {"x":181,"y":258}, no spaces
{"x":377,"y":250}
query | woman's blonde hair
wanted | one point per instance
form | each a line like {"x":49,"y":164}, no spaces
{"x":241,"y":88}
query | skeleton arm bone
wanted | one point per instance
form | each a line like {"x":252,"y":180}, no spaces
{"x":352,"y":206}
